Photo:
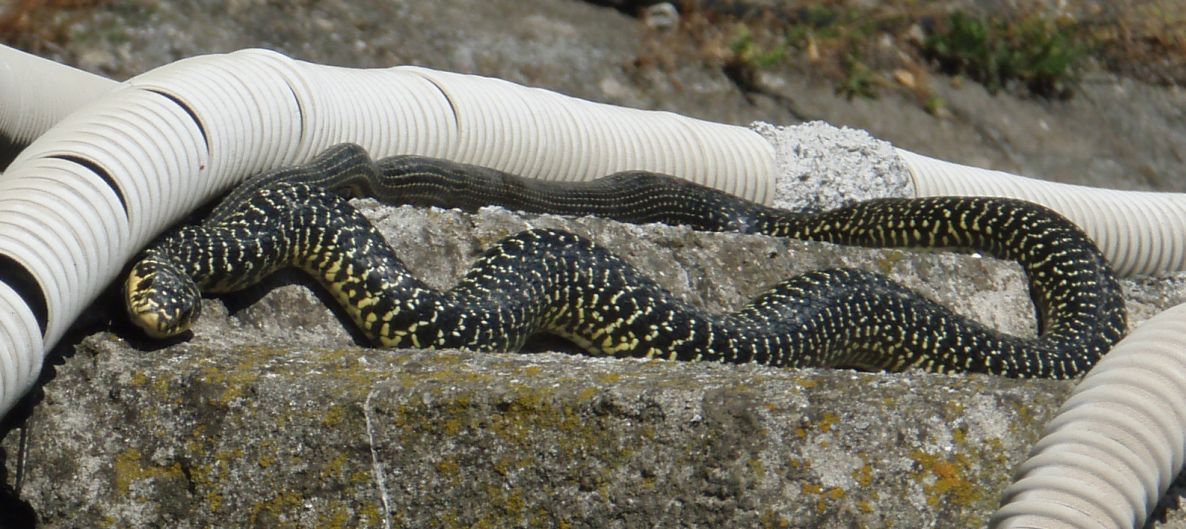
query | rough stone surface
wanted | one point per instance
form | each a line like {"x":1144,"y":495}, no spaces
{"x":260,"y":436}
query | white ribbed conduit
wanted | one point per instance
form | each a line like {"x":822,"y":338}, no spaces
{"x":528,"y":131}
{"x":87,"y":194}
{"x":1116,"y":444}
{"x":35,"y":93}
{"x":1139,"y":233}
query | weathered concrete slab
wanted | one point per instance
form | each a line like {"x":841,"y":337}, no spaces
{"x":260,"y":436}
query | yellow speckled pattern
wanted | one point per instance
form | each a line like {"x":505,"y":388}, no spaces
{"x":556,"y":282}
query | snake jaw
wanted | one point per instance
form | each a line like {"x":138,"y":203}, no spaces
{"x":160,"y":299}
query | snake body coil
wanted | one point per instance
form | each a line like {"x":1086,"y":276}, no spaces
{"x":556,"y":282}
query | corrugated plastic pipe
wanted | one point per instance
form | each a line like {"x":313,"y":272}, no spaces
{"x":89,"y":192}
{"x":1139,"y":232}
{"x":36,"y":93}
{"x":1116,"y":444}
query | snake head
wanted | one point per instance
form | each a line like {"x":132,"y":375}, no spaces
{"x":161,"y":299}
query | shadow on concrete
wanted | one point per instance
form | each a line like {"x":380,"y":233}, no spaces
{"x":16,"y":512}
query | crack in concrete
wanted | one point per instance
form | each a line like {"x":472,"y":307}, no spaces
{"x":376,"y":464}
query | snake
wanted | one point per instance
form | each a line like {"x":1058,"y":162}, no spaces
{"x":555,"y":282}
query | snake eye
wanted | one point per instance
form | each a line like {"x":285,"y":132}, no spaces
{"x":161,"y":299}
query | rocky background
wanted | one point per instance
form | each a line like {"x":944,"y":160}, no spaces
{"x":270,"y":416}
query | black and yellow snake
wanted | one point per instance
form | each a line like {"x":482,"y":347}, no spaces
{"x":556,"y":282}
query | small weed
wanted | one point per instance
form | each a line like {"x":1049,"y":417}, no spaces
{"x":1036,"y":50}
{"x":747,"y":51}
{"x":835,"y":37}
{"x":746,"y":57}
{"x":859,"y":79}
{"x":934,"y":105}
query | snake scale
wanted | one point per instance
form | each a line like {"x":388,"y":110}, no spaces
{"x":556,"y":282}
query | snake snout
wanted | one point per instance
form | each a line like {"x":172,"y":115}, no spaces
{"x":161,"y":299}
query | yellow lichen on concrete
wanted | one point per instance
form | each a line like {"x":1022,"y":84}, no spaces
{"x":508,"y":508}
{"x":336,"y":516}
{"x":334,"y":416}
{"x":138,"y":379}
{"x":757,"y":469}
{"x":823,"y":497}
{"x":945,"y":480}
{"x":807,"y":383}
{"x":608,"y":378}
{"x":235,"y":380}
{"x":774,"y":520}
{"x":130,"y":468}
{"x":589,"y":393}
{"x":273,"y":511}
{"x":449,"y":468}
{"x":888,"y":258}
{"x":207,"y":478}
{"x":826,"y":423}
{"x":863,"y":475}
